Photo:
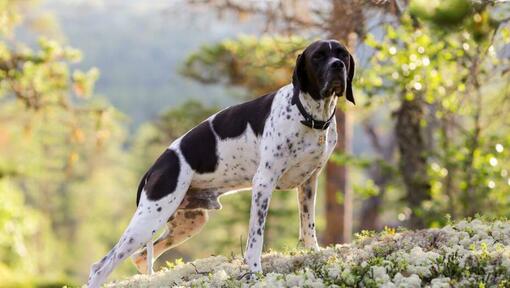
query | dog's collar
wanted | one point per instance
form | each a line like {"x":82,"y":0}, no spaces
{"x":309,"y":120}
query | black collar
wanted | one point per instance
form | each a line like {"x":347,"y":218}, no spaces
{"x":309,"y":120}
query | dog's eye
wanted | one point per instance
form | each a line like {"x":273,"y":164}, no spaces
{"x":340,"y":53}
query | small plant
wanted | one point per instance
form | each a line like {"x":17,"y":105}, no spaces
{"x":171,"y":265}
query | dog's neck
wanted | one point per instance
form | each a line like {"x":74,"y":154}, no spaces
{"x":319,"y":109}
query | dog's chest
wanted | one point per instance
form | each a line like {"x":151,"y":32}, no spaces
{"x":310,"y":153}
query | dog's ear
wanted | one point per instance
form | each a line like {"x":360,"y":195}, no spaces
{"x":350,"y":75}
{"x":299,"y":78}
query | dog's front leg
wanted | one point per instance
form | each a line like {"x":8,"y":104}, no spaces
{"x":264,"y":182}
{"x":306,"y":197}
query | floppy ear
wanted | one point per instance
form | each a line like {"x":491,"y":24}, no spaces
{"x":299,"y":79}
{"x":350,"y":75}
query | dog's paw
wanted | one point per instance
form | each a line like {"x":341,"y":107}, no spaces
{"x":314,"y":247}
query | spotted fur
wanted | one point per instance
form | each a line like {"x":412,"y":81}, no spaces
{"x":260,"y":145}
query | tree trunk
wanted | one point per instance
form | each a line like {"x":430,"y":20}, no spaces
{"x":345,"y":20}
{"x":370,"y":213}
{"x":371,"y":207}
{"x":338,"y":213}
{"x":413,"y":158}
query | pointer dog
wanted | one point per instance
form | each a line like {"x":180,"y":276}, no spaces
{"x":278,"y":141}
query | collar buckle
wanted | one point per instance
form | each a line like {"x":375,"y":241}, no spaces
{"x":309,"y":121}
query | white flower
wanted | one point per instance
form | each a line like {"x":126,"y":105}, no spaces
{"x":333,"y":272}
{"x":440,"y":282}
{"x":420,"y":262}
{"x":413,"y":281}
{"x":506,"y":262}
{"x":380,"y":275}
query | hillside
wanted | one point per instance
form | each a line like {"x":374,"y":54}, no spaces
{"x":466,"y":254}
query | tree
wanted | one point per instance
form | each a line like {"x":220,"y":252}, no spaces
{"x":410,"y":63}
{"x":60,"y":148}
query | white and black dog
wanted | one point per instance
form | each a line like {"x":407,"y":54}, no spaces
{"x":277,"y":141}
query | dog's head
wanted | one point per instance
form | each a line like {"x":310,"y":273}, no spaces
{"x":324,"y":69}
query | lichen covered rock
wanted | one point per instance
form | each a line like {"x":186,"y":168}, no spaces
{"x":465,"y":254}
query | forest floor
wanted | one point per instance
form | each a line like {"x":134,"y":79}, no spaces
{"x":469,"y":253}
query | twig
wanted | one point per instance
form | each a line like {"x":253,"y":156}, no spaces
{"x":245,"y":274}
{"x":196,"y":270}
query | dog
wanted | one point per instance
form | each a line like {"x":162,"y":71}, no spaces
{"x":281,"y":140}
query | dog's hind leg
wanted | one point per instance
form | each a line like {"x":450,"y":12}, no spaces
{"x":150,"y":258}
{"x":183,"y":225}
{"x":162,"y":193}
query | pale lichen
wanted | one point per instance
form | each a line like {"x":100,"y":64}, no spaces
{"x":465,"y":254}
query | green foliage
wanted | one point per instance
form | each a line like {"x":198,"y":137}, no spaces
{"x":444,"y":13}
{"x":41,"y":79}
{"x":473,"y":17}
{"x":59,"y":164}
{"x":176,"y":121}
{"x":454,"y":76}
{"x":260,"y":64}
{"x":19,"y":224}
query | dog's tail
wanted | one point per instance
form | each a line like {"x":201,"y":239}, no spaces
{"x":140,"y":187}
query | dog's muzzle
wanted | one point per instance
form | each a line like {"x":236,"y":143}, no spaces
{"x":335,"y":79}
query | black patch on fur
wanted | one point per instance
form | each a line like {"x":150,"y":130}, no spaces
{"x":309,"y":193}
{"x":199,"y":148}
{"x":350,"y":74}
{"x":161,"y":179}
{"x":232,"y":122}
{"x":140,"y":187}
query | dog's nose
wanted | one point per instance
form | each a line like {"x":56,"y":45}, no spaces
{"x":337,"y":64}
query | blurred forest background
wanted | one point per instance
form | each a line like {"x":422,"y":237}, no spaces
{"x":92,"y":91}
